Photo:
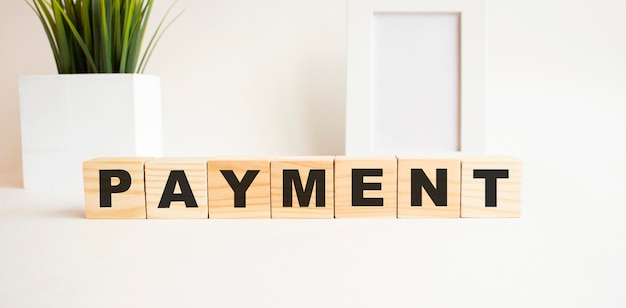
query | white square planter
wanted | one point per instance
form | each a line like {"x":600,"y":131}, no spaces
{"x":66,"y":119}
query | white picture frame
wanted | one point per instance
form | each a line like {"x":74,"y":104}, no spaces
{"x":471,"y":71}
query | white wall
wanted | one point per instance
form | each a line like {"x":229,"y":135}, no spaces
{"x":556,"y":88}
{"x":268,"y":77}
{"x":239,"y":77}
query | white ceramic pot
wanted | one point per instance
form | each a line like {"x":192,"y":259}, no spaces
{"x":67,"y":119}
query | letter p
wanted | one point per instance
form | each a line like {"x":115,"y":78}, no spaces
{"x":106,"y":185}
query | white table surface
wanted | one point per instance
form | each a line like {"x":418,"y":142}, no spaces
{"x":568,"y":250}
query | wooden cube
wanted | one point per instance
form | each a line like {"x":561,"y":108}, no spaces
{"x":365,"y":187}
{"x":239,"y":187}
{"x":302,"y":187}
{"x":176,"y":188}
{"x":491,"y":186}
{"x":114,"y":187}
{"x":429,"y":187}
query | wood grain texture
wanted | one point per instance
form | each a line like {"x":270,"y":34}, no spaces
{"x":128,"y":204}
{"x":508,"y":189}
{"x":303,"y":165}
{"x":222,"y":196}
{"x":157,"y":172}
{"x":429,"y":166}
{"x":344,"y":205}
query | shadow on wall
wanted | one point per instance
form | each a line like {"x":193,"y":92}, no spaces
{"x":325,"y":102}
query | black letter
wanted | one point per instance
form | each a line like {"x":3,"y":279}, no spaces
{"x":239,"y":188}
{"x":439,"y":195}
{"x":358,"y":187}
{"x":491,"y":188}
{"x":316,"y":177}
{"x":106,"y":189}
{"x":186,"y":195}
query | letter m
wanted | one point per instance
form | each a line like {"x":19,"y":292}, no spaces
{"x":291,"y":179}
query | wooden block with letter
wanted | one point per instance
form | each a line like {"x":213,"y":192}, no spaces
{"x":239,"y":187}
{"x":491,"y":186}
{"x":114,"y":187}
{"x":176,"y":188}
{"x":365,"y":186}
{"x":302,"y":187}
{"x":429,"y":187}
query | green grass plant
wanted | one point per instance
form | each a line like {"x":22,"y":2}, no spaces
{"x":99,"y":36}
